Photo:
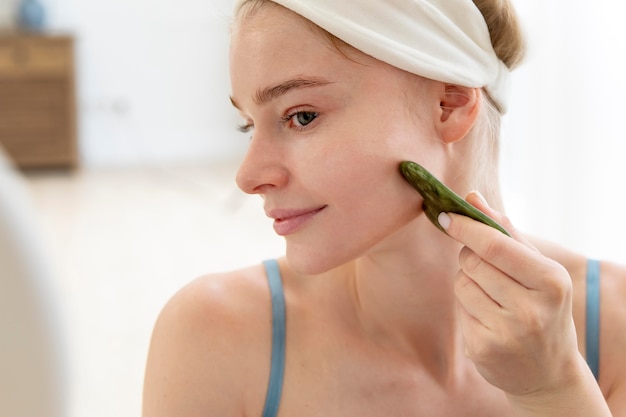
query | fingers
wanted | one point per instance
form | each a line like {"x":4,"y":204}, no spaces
{"x":514,"y":303}
{"x":498,"y":288}
{"x":476,"y":303}
{"x":478,"y":201}
{"x":506,"y":254}
{"x":515,"y":257}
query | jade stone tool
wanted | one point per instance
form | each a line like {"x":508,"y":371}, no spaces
{"x":440,"y":199}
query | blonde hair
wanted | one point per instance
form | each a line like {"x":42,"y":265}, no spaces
{"x":509,"y":45}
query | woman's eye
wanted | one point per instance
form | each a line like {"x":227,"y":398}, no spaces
{"x":301,"y":118}
{"x":305,"y":117}
{"x":245,"y":128}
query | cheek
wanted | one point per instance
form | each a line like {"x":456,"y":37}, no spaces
{"x":359,"y":179}
{"x":371,"y":188}
{"x":365,"y":163}
{"x":359,"y":157}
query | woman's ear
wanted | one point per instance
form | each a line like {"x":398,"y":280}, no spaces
{"x":458,"y":110}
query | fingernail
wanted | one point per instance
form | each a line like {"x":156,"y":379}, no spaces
{"x":481,"y":198}
{"x":444,"y":220}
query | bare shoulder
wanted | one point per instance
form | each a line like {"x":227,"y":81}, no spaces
{"x":613,"y":335}
{"x":209,"y":347}
{"x":612,"y":317}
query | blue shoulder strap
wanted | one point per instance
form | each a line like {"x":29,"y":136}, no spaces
{"x":592,"y":342}
{"x":277,"y":370}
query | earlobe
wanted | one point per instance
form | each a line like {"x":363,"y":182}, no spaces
{"x":459,"y":109}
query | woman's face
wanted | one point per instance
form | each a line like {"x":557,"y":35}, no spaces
{"x":327,"y":133}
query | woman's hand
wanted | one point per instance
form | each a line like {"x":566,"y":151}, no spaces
{"x":516,"y":315}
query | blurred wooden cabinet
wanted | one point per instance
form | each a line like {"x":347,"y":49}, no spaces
{"x":37,"y":100}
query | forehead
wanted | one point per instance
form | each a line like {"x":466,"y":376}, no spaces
{"x":269,"y":9}
{"x":269,"y":28}
{"x":270,"y":44}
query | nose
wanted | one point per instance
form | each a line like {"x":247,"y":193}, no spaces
{"x":263,"y":166}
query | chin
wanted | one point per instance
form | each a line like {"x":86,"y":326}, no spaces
{"x":312,"y":261}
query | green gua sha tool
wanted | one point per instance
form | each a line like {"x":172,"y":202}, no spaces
{"x":440,"y":199}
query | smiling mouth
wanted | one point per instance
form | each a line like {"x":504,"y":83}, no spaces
{"x":288,"y":223}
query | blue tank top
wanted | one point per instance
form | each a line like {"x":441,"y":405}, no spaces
{"x":277,"y":370}
{"x":592,"y":317}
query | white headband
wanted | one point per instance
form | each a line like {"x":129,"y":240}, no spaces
{"x":444,"y":40}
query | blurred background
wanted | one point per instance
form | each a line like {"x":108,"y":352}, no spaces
{"x":116,"y":116}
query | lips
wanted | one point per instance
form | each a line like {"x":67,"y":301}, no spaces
{"x":288,"y":221}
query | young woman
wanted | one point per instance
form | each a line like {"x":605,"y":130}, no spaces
{"x":383,"y":314}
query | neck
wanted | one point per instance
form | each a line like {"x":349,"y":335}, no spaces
{"x":404,"y":292}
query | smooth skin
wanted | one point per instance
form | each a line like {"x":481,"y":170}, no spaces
{"x":386,"y":315}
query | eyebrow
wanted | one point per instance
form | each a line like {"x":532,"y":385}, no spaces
{"x":268,"y":94}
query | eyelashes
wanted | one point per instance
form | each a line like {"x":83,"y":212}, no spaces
{"x":300,"y":119}
{"x":245,"y":128}
{"x":297,"y":120}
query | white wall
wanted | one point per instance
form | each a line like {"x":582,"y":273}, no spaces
{"x":563,"y":159}
{"x":152,"y":79}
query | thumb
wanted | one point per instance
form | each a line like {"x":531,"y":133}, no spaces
{"x":476,"y":199}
